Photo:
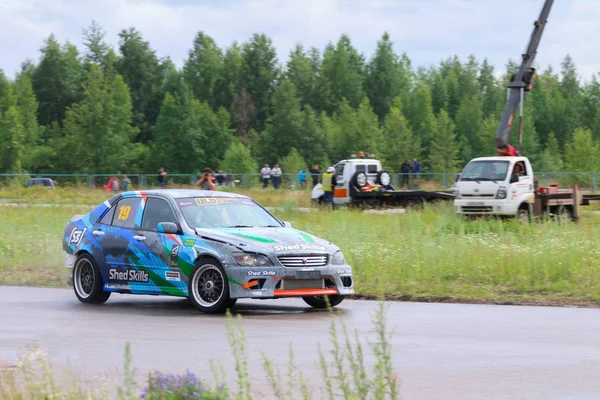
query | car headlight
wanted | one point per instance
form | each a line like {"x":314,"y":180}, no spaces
{"x":338,"y":258}
{"x":457,"y":193}
{"x":251,"y":260}
{"x":501,"y":194}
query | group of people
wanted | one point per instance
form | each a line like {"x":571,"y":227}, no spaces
{"x":406,"y":169}
{"x":271,"y":174}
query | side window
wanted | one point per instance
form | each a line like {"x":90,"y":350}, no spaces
{"x":339,"y":171}
{"x":156,"y":211}
{"x":372,"y":169}
{"x":126,"y":213}
{"x":108,"y":217}
{"x":360,"y":168}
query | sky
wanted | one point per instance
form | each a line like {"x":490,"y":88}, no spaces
{"x":427,"y":30}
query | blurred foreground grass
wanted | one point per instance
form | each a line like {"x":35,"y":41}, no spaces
{"x":420,"y":254}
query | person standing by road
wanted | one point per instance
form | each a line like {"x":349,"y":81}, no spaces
{"x":302,"y":178}
{"x":206,"y":181}
{"x":161,"y":178}
{"x":315,"y":172}
{"x":416,"y":168}
{"x":405,"y":169}
{"x":328,"y":182}
{"x":276,"y":176}
{"x":125,"y":182}
{"x":265,"y":173}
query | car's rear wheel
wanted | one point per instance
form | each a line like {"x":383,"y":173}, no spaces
{"x":209,"y":289}
{"x":87,"y":282}
{"x":321,"y":302}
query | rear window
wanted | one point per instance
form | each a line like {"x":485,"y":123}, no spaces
{"x":372,"y":169}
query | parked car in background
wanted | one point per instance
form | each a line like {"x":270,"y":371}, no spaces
{"x":45,"y":182}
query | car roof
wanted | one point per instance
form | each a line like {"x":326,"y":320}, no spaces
{"x":183,"y":193}
{"x":499,"y":158}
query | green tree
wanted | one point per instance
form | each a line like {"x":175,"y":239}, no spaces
{"x":400,"y":143}
{"x":259,"y":71}
{"x":202,"y":69}
{"x":439,"y":92}
{"x":421,"y":117}
{"x":490,"y":92}
{"x":230,"y":77}
{"x":27,"y":107}
{"x":551,"y":158}
{"x":369,"y":136}
{"x":140,"y":69}
{"x":581,"y":153}
{"x":302,"y":73}
{"x":383,"y":80}
{"x":12,"y":134}
{"x":238,"y":159}
{"x":98,"y":51}
{"x":313,"y":145}
{"x":97,"y":130}
{"x":56,"y":80}
{"x":284,"y":127}
{"x":343,"y":72}
{"x":444,"y":148}
{"x":474,"y":136}
{"x":454,"y":94}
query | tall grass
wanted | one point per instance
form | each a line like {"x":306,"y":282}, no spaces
{"x":427,"y":254}
{"x":343,"y":369}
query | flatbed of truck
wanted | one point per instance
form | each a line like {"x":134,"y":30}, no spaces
{"x":400,"y":197}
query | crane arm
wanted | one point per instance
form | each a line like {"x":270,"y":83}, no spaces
{"x":520,"y":83}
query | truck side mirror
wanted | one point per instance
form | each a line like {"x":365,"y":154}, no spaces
{"x":514,"y":178}
{"x":457,"y":178}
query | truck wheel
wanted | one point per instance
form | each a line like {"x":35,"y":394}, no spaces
{"x":524,"y":216}
{"x":320,"y":302}
{"x":359,"y":179}
{"x":564,"y":214}
{"x":383,"y":178}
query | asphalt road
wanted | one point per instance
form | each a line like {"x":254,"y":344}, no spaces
{"x":441,"y":351}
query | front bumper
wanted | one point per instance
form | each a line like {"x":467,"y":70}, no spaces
{"x":484,"y":207}
{"x":278,"y":281}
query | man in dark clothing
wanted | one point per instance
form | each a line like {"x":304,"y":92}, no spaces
{"x":416,"y":168}
{"x":405,"y":169}
{"x":315,"y":173}
{"x":161,"y":178}
{"x":220,"y":178}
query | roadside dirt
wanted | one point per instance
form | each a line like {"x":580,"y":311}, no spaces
{"x":507,"y":301}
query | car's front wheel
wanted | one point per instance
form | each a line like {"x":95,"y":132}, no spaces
{"x":321,"y":302}
{"x":209,"y":289}
{"x":87,"y":282}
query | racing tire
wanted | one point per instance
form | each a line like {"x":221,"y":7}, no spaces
{"x":209,"y":289}
{"x":384,"y":178}
{"x":87,"y":282}
{"x":359,"y":179}
{"x":320,"y":301}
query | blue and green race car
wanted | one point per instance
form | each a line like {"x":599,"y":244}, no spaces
{"x":211,"y":247}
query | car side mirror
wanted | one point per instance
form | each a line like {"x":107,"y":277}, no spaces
{"x":457,"y":178}
{"x":514,"y":178}
{"x":168,"y":227}
{"x":287,"y":224}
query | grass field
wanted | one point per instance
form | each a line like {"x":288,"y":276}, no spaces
{"x":430,"y":255}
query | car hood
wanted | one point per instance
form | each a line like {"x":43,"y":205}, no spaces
{"x":269,"y":240}
{"x":481,"y":189}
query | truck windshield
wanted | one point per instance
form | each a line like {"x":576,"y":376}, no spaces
{"x":490,"y":170}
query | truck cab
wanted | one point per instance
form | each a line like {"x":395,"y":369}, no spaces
{"x":496,"y":186}
{"x":348,"y":170}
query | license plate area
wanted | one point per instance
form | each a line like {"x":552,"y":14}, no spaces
{"x":307,"y":274}
{"x":475,"y":203}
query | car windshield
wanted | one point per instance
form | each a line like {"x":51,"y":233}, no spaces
{"x":225,"y":212}
{"x":485,"y":171}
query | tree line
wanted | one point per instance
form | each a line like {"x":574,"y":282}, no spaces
{"x":104,"y":111}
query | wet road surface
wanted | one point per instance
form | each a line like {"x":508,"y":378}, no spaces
{"x":447,"y":351}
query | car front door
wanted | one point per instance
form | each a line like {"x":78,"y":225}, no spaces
{"x":163,"y":250}
{"x":340,"y":192}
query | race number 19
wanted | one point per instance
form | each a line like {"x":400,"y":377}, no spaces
{"x":124,"y":212}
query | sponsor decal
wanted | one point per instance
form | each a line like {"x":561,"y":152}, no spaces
{"x":76,"y":236}
{"x":299,"y":247}
{"x":127,"y":275}
{"x":117,"y":286}
{"x":344,"y":271}
{"x":261,"y":273}
{"x":172,"y":276}
{"x":185,"y":203}
{"x":174,"y":255}
{"x":189,"y":242}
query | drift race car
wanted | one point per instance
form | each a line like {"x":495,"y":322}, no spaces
{"x":211,"y":247}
